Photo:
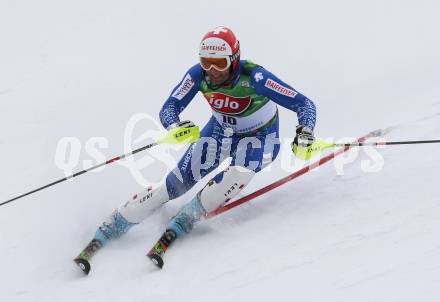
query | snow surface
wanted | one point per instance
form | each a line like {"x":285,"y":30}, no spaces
{"x":84,"y":68}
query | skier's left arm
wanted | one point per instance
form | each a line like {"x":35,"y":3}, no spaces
{"x":267,"y":84}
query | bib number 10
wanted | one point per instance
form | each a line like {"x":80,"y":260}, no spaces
{"x":229,"y":120}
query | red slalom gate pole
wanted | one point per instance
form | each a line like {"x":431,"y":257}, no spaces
{"x":292,"y":176}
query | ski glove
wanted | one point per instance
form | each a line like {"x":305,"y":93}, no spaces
{"x":181,"y":124}
{"x":304,"y":137}
{"x":303,"y":140}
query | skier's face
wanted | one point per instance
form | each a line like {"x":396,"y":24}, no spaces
{"x":218,"y":77}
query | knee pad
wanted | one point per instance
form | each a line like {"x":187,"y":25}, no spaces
{"x":224,"y":186}
{"x":143,"y":203}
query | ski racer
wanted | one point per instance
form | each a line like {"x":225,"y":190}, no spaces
{"x":243,"y":97}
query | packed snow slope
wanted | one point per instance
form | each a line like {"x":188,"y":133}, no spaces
{"x":83,"y":69}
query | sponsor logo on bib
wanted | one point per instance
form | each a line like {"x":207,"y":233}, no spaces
{"x":228,"y":104}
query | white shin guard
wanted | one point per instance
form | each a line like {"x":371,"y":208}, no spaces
{"x":216,"y":193}
{"x":142,"y":204}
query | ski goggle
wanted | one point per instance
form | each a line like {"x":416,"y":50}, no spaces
{"x":220,"y":64}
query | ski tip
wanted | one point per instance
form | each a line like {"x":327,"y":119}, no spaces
{"x":156,"y":259}
{"x":83,"y":264}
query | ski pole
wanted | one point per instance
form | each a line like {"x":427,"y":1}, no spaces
{"x":276,"y":184}
{"x":321,"y":145}
{"x":387,"y":143}
{"x":306,"y":153}
{"x":174,"y":136}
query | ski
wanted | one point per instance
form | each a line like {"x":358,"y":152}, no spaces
{"x":83,"y":264}
{"x":82,"y":260}
{"x":296,"y":174}
{"x":158,"y":250}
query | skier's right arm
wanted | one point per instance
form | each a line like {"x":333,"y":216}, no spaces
{"x":180,"y":97}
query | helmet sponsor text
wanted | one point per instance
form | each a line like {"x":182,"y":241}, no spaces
{"x":213,"y":48}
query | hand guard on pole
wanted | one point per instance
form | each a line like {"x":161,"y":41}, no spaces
{"x":184,"y":132}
